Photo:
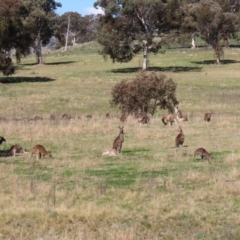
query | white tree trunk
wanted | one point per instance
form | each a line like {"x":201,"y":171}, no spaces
{"x":145,"y":55}
{"x":218,"y":54}
{"x":74,"y":41}
{"x":193,"y":43}
{"x":67,"y":34}
{"x":39,"y":51}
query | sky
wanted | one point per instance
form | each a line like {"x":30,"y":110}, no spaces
{"x":84,"y":7}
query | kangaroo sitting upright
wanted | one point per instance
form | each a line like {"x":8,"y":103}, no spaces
{"x":179,"y":140}
{"x":117,"y":144}
{"x":207,"y":116}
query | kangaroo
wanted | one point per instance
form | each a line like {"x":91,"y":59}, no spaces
{"x":179,"y":140}
{"x":168,"y":119}
{"x":3,"y":119}
{"x":107,"y":116}
{"x":89,"y":116}
{"x":178,"y":112}
{"x":40,"y":151}
{"x":145,"y":119}
{"x":38,"y":118}
{"x":15,"y":149}
{"x":123,"y":118}
{"x":137,"y":114}
{"x":2,"y":139}
{"x":117,"y":144}
{"x":203,"y":153}
{"x":111,"y":152}
{"x":66,"y":116}
{"x":183,"y":119}
{"x":53,"y":117}
{"x":207,"y":116}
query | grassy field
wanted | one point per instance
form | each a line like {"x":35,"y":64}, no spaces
{"x":152,"y":190}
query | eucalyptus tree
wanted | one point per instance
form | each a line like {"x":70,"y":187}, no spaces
{"x":212,"y":22}
{"x":41,"y":22}
{"x":128,"y":26}
{"x":232,"y":6}
{"x":80,"y":28}
{"x":13,"y":35}
{"x":69,"y":23}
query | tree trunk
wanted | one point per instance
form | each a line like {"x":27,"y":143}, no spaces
{"x":39,"y":51}
{"x":226,"y":42}
{"x":218,"y":51}
{"x":193,"y":43}
{"x":67,"y":34}
{"x":145,"y":55}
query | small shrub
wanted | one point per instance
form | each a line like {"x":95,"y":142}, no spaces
{"x":147,"y":91}
{"x":6,"y":65}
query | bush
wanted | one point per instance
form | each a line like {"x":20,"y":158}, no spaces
{"x":6,"y":65}
{"x":148,"y":91}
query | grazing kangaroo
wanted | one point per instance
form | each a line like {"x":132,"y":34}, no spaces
{"x":38,"y":118}
{"x":53,"y":117}
{"x":179,"y":140}
{"x":123,"y":118}
{"x":40,"y":151}
{"x":15,"y":149}
{"x":207,"y":116}
{"x":2,"y":139}
{"x":89,"y":116}
{"x":117,"y":144}
{"x":203,"y":153}
{"x":66,"y":117}
{"x":3,"y":119}
{"x":145,"y":119}
{"x":168,"y":119}
{"x":183,"y":119}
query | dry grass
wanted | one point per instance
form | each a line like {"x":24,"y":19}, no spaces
{"x":152,"y":190}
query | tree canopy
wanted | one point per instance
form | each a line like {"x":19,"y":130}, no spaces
{"x":41,"y":21}
{"x":13,"y":34}
{"x":213,"y":24}
{"x":82,"y":28}
{"x":127,"y":23}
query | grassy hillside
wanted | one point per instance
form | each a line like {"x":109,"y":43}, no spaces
{"x":152,"y":190}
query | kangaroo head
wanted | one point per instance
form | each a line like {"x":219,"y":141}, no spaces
{"x":2,"y":139}
{"x":121,"y":129}
{"x":49,"y":154}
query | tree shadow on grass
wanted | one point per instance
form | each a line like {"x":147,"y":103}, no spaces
{"x":209,"y":62}
{"x":3,"y":153}
{"x":51,"y":63}
{"x":59,"y":63}
{"x":159,"y":69}
{"x":8,"y":80}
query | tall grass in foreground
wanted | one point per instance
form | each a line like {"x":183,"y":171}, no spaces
{"x":152,"y":190}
